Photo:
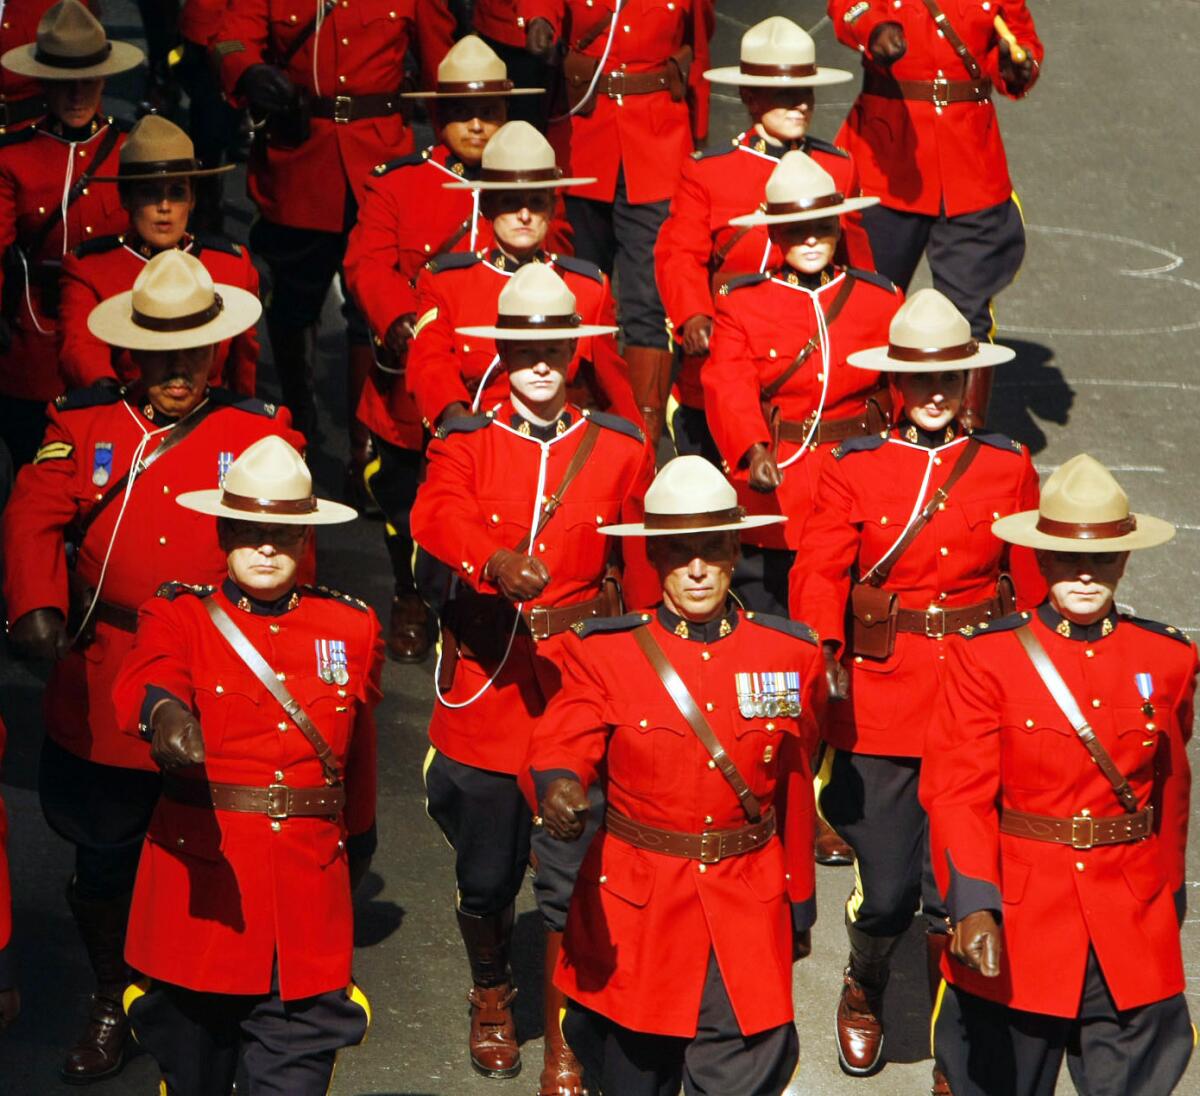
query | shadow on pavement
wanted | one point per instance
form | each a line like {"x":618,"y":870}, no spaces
{"x":1032,"y":388}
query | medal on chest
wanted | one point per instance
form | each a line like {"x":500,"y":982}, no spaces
{"x":224,"y":460}
{"x":332,"y":664}
{"x":102,"y":463}
{"x":768,"y":694}
{"x":1145,"y":688}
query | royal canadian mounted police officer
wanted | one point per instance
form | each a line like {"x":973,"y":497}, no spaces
{"x":1057,"y":784}
{"x":511,"y":503}
{"x":83,"y":547}
{"x":255,"y":697}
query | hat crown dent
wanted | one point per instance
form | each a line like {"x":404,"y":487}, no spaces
{"x":1083,"y":491}
{"x":69,"y":30}
{"x":928,"y":320}
{"x":798,"y":178}
{"x":778,"y":41}
{"x":517,"y":146}
{"x":171,"y":285}
{"x":689,"y":485}
{"x":536,"y":290}
{"x":155,"y":139}
{"x":269,"y":469}
{"x":471,"y":60}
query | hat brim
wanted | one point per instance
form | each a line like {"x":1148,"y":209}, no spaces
{"x":638,"y":529}
{"x":195,"y":173}
{"x":472,"y":94}
{"x":112,"y":322}
{"x":537,"y":334}
{"x":1021,"y":529}
{"x":876,"y":358}
{"x":754,"y":220}
{"x":539,"y":184}
{"x":732,"y":76}
{"x":23,"y":61}
{"x":209,"y":502}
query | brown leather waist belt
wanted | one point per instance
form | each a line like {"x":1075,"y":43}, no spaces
{"x":940,"y":93}
{"x":616,"y":84}
{"x":22,"y":110}
{"x":1081,"y":832}
{"x":832,"y":431}
{"x":116,"y":616}
{"x":275,"y":800}
{"x":351,"y":108}
{"x":936,"y":623}
{"x":544,"y":622}
{"x":707,"y":847}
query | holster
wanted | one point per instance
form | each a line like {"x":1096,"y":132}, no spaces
{"x":1006,"y":594}
{"x":290,"y":128}
{"x":578,"y":70}
{"x":476,"y":626}
{"x":679,"y":67}
{"x":872,"y":624}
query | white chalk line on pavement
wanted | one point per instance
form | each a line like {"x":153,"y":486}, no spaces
{"x":1100,"y":382}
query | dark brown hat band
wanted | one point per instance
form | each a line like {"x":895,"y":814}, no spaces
{"x":1087,"y":530}
{"x":58,"y":60}
{"x":249,"y":505}
{"x":180,"y":323}
{"x":750,"y":68}
{"x":530,"y":175}
{"x":532,"y":323}
{"x":134,"y":169}
{"x":935,"y":353}
{"x":464,"y":87}
{"x":684,"y":522}
{"x":826,"y":201}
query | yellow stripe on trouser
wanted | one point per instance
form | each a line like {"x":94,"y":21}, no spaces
{"x":1016,"y":200}
{"x":359,"y":998}
{"x":822,"y":780}
{"x":933,"y":1018}
{"x":368,"y":474}
{"x":669,"y":416}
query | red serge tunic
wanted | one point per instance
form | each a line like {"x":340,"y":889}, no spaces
{"x":222,"y":896}
{"x":869,"y":492}
{"x":914,"y":155}
{"x":642,"y":924}
{"x":479,"y":495}
{"x":1003,"y":742}
{"x":763,"y":321}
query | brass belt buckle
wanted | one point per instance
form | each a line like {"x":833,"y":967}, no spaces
{"x":616,"y":83}
{"x":710,"y":847}
{"x":942,"y":100}
{"x":277,"y":800}
{"x":940,"y":633}
{"x":342,"y":107}
{"x":1082,"y":825}
{"x":539,"y":622}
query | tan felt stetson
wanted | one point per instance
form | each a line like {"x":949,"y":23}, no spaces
{"x":690,"y":495}
{"x":1083,"y":509}
{"x":929,"y":335}
{"x":777,"y":54}
{"x":71,"y":45}
{"x":158,"y":149}
{"x":537,"y":305}
{"x":174,"y":305}
{"x":799,"y":189}
{"x":518,"y":157}
{"x":271,"y":484}
{"x":471,"y":69}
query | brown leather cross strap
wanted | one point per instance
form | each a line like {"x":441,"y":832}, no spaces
{"x":952,"y":36}
{"x":274,"y":800}
{"x":878,"y":574}
{"x":257,"y":665}
{"x":720,"y":254}
{"x":690,"y":710}
{"x":554,"y":501}
{"x":770,"y":391}
{"x":1080,"y":832}
{"x":1069,"y":706}
{"x":707,"y":847}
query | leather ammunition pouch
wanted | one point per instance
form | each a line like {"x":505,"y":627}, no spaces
{"x":578,"y":70}
{"x":872,"y":621}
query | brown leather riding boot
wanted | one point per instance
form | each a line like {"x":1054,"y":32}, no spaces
{"x":860,"y":1007}
{"x":828,"y":848}
{"x":935,"y":947}
{"x":410,"y":629}
{"x":650,"y":378}
{"x":100,"y":1050}
{"x":493,"y":1039}
{"x":295,"y":352}
{"x":562,"y":1075}
{"x":978,"y":394}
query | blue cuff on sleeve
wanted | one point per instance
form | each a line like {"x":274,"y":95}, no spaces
{"x":804,"y":914}
{"x":969,"y":895}
{"x":542,"y":779}
{"x":153,"y":695}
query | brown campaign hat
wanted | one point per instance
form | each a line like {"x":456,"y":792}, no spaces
{"x":536,"y":304}
{"x":690,"y":495}
{"x":518,"y":157}
{"x":71,"y":45}
{"x":1083,"y":509}
{"x":174,"y":305}
{"x":158,"y":149}
{"x":799,"y":189}
{"x":268,"y":483}
{"x":776,"y":53}
{"x":471,"y":69}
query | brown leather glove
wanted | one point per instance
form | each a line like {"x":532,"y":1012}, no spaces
{"x":267,"y":88}
{"x":696,"y":332}
{"x":836,"y":678}
{"x":801,"y":944}
{"x":1016,"y":77}
{"x":520,"y":577}
{"x":40,"y":634}
{"x":887,"y":43}
{"x":178,"y":740}
{"x":10,"y":1007}
{"x":398,"y":334}
{"x":358,"y":867}
{"x":456,"y":410}
{"x":975,"y":942}
{"x":564,"y":809}
{"x":539,"y":38}
{"x":764,"y":472}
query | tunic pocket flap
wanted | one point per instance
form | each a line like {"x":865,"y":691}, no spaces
{"x":1014,"y":874}
{"x":621,"y":870}
{"x":187,"y":831}
{"x":763,"y":873}
{"x":1144,"y":874}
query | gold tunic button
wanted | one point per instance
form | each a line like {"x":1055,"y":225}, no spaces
{"x":495,"y":518}
{"x":541,"y":546}
{"x":995,"y":515}
{"x":220,"y":689}
{"x":711,"y":763}
{"x":1079,"y":865}
{"x":166,"y":489}
{"x":772,"y":354}
{"x":1086,"y":812}
{"x":708,"y":705}
{"x":1029,"y":723}
{"x":162,"y":540}
{"x":944,"y":550}
{"x":708,"y":819}
{"x":428,"y":247}
{"x":820,"y":377}
{"x":179,"y":841}
{"x":281,"y":676}
{"x":341,"y":79}
{"x":604,"y":879}
{"x":703,"y":867}
{"x":1095,"y":703}
{"x":341,"y":692}
{"x":768,"y":753}
{"x":643,"y":723}
{"x":41,"y":209}
{"x":281,"y":725}
{"x":770,"y":727}
{"x":858,"y":658}
{"x":345,"y":41}
{"x":273,"y":629}
{"x":1089,"y":653}
{"x":883,"y":520}
{"x":705,"y":655}
{"x":937,"y":460}
{"x":291,"y":18}
{"x":275,"y":827}
{"x":1151,"y":727}
{"x":278,"y":774}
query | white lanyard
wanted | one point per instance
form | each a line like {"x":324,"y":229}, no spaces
{"x":475,"y":193}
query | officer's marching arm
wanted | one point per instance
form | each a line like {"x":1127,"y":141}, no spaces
{"x":361,"y":770}
{"x":611,"y":372}
{"x":1173,"y":789}
{"x":1009,"y":79}
{"x":433,"y":374}
{"x":684,"y":250}
{"x":83,"y":358}
{"x":1021,"y":563}
{"x":732,"y":387}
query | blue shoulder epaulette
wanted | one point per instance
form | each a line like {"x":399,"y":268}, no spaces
{"x":875,"y":278}
{"x":741,"y":281}
{"x":987,"y":627}
{"x":716,"y":150}
{"x":99,"y":245}
{"x":1158,"y":627}
{"x":96,"y":395}
{"x":863,"y":443}
{"x":998,"y":441}
{"x":172,"y":590}
{"x":796,"y":628}
{"x":579,"y":266}
{"x":826,"y":146}
{"x":18,"y":138}
{"x":452,"y":260}
{"x":224,"y":397}
{"x":598,"y":625}
{"x":336,"y":595}
{"x":215,"y":242}
{"x":466,"y":425}
{"x":616,"y":422}
{"x":411,"y":160}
